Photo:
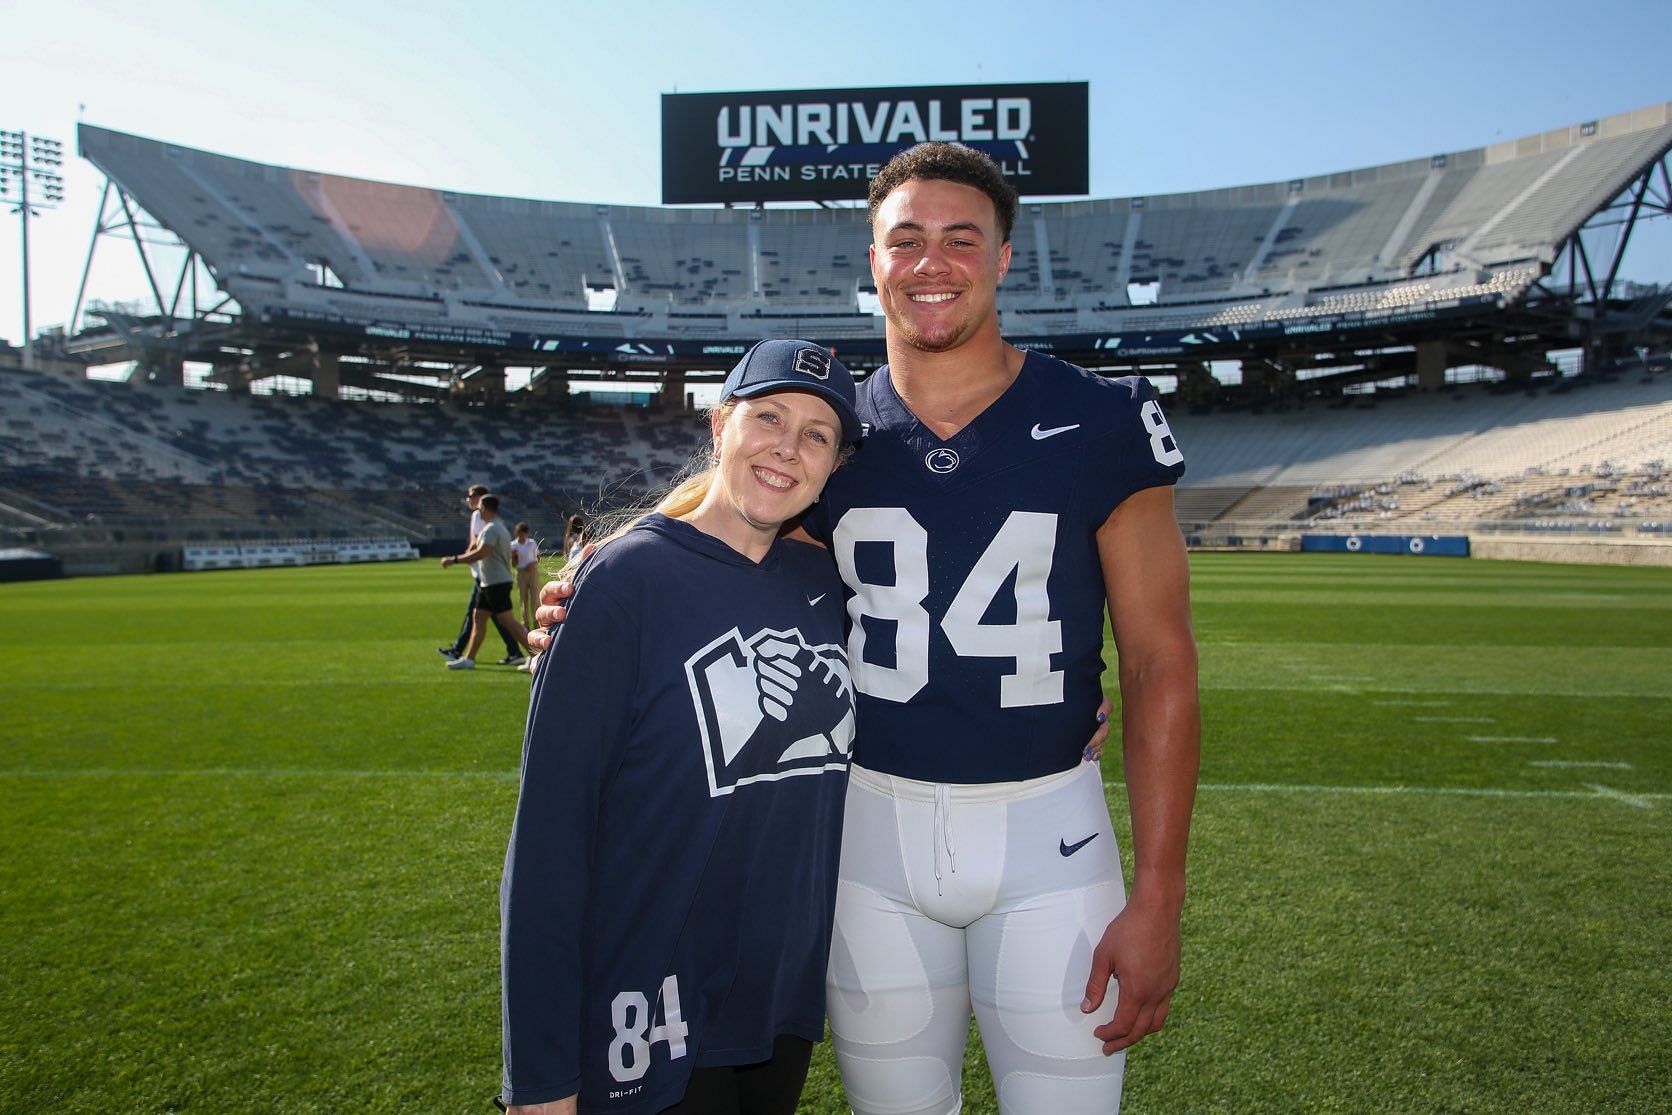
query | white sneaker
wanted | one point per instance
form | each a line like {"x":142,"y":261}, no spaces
{"x":461,"y":664}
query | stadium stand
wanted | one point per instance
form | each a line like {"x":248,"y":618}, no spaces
{"x":168,"y":467}
{"x":131,"y":454}
{"x":1427,"y":234}
{"x":1467,"y":430}
{"x":1337,"y":293}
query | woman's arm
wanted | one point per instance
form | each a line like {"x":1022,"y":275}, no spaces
{"x":577,"y":724}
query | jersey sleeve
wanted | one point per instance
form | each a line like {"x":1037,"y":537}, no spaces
{"x":1137,"y":449}
{"x":577,"y":726}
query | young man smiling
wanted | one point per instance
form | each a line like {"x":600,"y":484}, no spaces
{"x":1000,"y":499}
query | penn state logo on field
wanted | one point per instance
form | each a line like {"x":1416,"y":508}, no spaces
{"x":770,"y":706}
{"x":813,"y":362}
{"x":942,"y":461}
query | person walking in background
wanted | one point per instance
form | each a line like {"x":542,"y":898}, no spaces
{"x":513,"y":650}
{"x":490,"y":558}
{"x":574,"y":536}
{"x":525,"y":559}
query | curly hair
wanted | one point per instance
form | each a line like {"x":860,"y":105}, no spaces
{"x":948,"y":162}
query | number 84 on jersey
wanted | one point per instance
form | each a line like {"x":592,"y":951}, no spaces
{"x":1024,"y":545}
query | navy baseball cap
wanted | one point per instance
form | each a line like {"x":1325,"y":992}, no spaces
{"x":796,"y":366}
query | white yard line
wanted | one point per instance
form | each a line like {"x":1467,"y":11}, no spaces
{"x":1455,"y":719}
{"x":1442,"y":687}
{"x":1639,"y":801}
{"x":1577,"y":763}
{"x":1513,"y":739}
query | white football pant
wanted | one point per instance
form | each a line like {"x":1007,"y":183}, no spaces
{"x":987,"y":896}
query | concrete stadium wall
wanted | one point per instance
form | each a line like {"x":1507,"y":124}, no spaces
{"x":1575,"y":551}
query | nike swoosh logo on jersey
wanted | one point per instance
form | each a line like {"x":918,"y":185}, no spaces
{"x":812,"y":601}
{"x":1068,"y":849}
{"x":1041,"y":434}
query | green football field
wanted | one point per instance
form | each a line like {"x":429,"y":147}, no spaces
{"x":251,"y":835}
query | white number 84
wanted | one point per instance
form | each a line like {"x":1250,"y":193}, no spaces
{"x":634,"y":1034}
{"x":1025,"y":543}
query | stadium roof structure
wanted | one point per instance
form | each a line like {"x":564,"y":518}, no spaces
{"x":1495,"y":255}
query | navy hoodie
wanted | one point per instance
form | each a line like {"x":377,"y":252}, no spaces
{"x":671,"y":876}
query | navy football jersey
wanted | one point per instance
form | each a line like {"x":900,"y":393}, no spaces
{"x":671,"y":877}
{"x":975,"y":592}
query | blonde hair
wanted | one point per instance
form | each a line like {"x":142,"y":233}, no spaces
{"x":688,"y":494}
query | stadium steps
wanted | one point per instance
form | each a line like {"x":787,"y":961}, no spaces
{"x":1205,"y":504}
{"x":32,"y":512}
{"x":1417,"y":501}
{"x":364,"y":511}
{"x":1279,"y":502}
{"x":1650,"y":439}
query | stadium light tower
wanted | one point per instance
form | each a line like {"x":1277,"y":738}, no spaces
{"x":24,"y":159}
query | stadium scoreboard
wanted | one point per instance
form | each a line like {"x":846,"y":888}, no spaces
{"x":827,"y":144}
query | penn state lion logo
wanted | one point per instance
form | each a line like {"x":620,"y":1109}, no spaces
{"x":770,"y":706}
{"x":942,"y":461}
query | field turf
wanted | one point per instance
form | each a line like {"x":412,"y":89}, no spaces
{"x":251,"y":834}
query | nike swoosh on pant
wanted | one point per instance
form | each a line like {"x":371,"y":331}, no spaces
{"x":1068,"y":849}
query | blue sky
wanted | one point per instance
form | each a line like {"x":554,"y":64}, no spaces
{"x":560,"y":100}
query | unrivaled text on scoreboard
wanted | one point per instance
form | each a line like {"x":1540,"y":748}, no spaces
{"x":827,"y":144}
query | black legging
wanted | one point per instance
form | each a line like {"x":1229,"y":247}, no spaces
{"x":768,"y":1088}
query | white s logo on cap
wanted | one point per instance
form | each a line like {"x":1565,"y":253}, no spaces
{"x":813,"y":362}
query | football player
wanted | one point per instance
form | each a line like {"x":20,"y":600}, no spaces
{"x":1001,"y":500}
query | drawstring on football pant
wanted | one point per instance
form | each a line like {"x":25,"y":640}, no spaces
{"x":943,"y":836}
